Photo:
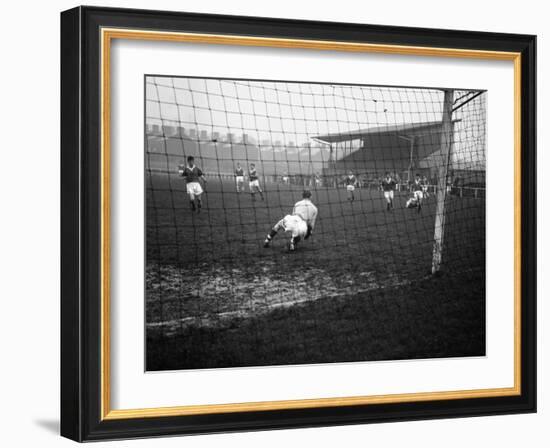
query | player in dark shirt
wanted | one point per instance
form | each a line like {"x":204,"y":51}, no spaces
{"x":351,"y":183}
{"x":418,"y":192}
{"x":239,"y":178}
{"x":388,"y":187}
{"x":193,"y":175}
{"x":254,"y":182}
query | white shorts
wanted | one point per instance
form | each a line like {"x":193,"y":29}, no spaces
{"x":350,"y":188}
{"x":239,"y":179}
{"x":294,"y":224}
{"x":254,"y":183}
{"x":419,"y":194}
{"x":194,"y":189}
{"x":388,"y":194}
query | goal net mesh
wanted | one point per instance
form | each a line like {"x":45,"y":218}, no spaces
{"x":207,"y":270}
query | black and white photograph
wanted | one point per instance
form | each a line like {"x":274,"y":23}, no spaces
{"x":275,"y":224}
{"x":293,"y":223}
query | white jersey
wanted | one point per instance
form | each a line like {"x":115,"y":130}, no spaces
{"x":306,"y":210}
{"x":293,"y":224}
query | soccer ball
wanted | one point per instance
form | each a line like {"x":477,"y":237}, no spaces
{"x":411,"y":203}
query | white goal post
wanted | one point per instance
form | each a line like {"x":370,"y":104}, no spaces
{"x":441,"y":190}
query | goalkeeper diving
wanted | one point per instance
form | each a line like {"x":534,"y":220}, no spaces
{"x":300,"y":223}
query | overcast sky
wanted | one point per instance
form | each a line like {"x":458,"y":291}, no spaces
{"x":296,"y":112}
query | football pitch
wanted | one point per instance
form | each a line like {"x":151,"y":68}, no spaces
{"x":360,"y":289}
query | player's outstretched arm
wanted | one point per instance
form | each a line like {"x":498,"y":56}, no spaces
{"x":201,"y":175}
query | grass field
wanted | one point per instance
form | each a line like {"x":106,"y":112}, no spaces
{"x":359,"y":289}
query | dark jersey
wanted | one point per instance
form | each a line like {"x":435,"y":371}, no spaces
{"x":252,"y":174}
{"x":239,"y":172}
{"x":417,"y":186}
{"x":388,"y":185}
{"x":192,"y":174}
{"x":351,"y":180}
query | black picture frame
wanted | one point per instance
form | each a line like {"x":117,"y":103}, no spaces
{"x":81,"y":380}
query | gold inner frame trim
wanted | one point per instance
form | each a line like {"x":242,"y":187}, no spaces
{"x":107,"y":35}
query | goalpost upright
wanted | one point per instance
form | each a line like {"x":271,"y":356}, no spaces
{"x":441,"y":191}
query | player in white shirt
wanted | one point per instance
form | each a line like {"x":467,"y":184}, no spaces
{"x":300,"y":223}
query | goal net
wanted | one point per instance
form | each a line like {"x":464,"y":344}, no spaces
{"x":397,"y":175}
